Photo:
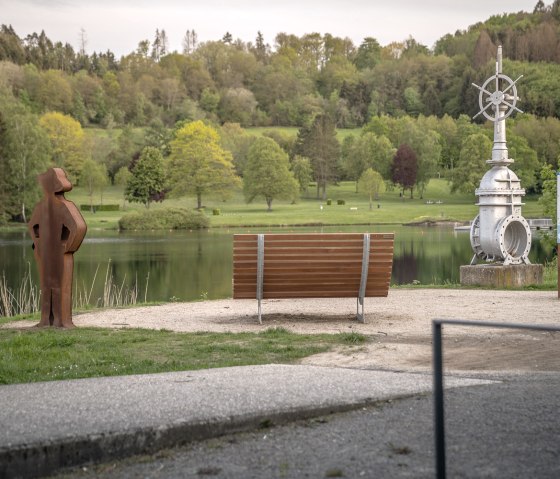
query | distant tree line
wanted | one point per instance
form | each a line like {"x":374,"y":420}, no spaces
{"x":288,"y":83}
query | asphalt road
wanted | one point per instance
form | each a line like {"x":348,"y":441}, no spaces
{"x":501,"y":430}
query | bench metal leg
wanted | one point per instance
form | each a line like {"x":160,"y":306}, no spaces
{"x":260,"y":271}
{"x":360,"y":315}
{"x":363,"y":282}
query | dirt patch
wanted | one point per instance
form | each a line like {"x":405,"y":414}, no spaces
{"x":473,"y":353}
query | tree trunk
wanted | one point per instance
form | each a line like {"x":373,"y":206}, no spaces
{"x":269,"y":203}
{"x":198,"y":200}
{"x":370,"y":203}
{"x":23,"y":216}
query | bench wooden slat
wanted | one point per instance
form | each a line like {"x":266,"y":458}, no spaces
{"x":316,"y":237}
{"x":314,"y":294}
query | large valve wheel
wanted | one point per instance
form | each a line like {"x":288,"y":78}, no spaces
{"x":498,"y":97}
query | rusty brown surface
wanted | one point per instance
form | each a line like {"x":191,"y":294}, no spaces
{"x":57,"y":229}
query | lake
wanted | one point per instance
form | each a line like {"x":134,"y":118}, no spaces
{"x":183,"y":266}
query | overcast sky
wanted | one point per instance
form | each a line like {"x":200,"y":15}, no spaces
{"x":119,"y":25}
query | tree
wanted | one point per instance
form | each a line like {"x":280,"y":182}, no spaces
{"x":404,"y":168}
{"x":367,"y":151}
{"x":369,"y":54}
{"x":475,"y":150}
{"x":548,"y":200}
{"x":190,"y":42}
{"x":198,"y":164}
{"x":237,"y":105}
{"x":121,"y":179}
{"x":127,"y":148}
{"x":24,"y":153}
{"x":93,"y":177}
{"x":68,"y":144}
{"x":426,"y":145}
{"x":268,"y":173}
{"x":237,"y":141}
{"x":319,"y":144}
{"x":303,"y":172}
{"x":147,"y":180}
{"x":371,"y":183}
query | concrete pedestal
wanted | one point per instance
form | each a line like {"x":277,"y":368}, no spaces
{"x":499,"y":276}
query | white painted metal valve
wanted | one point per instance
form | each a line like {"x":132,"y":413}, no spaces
{"x":499,"y":233}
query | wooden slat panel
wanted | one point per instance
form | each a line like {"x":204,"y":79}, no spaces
{"x":312,"y":265}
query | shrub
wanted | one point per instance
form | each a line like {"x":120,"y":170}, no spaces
{"x":100,"y":207}
{"x":340,"y":202}
{"x":216,"y":211}
{"x":329,"y":202}
{"x":164,"y":219}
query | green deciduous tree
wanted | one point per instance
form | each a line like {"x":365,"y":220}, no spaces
{"x":93,"y":178}
{"x":303,"y":172}
{"x":146,"y":183}
{"x":548,"y":200}
{"x":198,"y":164}
{"x":268,"y":173}
{"x":69,"y":147}
{"x":24,"y":153}
{"x":121,"y":179}
{"x":367,"y":151}
{"x":372,"y":184}
{"x":237,"y":141}
{"x":476,"y":149}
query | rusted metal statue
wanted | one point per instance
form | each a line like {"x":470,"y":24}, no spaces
{"x":57,"y":229}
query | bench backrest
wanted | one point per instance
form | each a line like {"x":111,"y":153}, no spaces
{"x":312,"y":265}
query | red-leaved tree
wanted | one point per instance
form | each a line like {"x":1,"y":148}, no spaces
{"x":404,"y":168}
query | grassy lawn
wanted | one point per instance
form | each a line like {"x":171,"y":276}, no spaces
{"x":46,"y":355}
{"x":307,"y":211}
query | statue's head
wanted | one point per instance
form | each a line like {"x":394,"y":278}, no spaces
{"x":54,"y":180}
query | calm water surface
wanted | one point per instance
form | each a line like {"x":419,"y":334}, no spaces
{"x":191,"y":265}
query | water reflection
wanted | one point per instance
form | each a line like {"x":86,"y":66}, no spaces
{"x":193,"y":265}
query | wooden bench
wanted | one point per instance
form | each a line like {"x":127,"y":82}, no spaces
{"x":312,"y":265}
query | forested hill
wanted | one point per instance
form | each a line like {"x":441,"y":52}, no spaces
{"x":288,"y":83}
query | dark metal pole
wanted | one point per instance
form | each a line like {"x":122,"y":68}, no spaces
{"x":439,"y":427}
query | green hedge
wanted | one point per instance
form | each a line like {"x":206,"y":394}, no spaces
{"x":100,"y":207}
{"x":164,"y":219}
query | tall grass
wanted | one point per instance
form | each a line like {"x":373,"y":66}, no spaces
{"x":26,"y":297}
{"x":23,"y":300}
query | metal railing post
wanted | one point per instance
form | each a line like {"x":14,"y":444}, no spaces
{"x":439,"y":425}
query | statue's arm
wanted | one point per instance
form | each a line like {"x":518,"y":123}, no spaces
{"x":74,"y":228}
{"x":34,"y":228}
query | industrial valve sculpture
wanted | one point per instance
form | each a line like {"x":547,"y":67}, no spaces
{"x":499,"y":234}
